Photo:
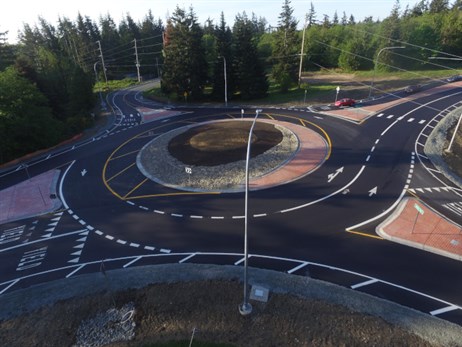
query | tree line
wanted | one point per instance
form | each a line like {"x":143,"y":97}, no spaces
{"x":57,"y":66}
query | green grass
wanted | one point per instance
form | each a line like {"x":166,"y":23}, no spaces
{"x":185,"y":343}
{"x":114,"y":85}
{"x":324,"y":92}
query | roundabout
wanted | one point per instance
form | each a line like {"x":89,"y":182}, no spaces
{"x":212,"y":155}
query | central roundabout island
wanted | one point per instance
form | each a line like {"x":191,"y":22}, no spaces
{"x":211,"y":156}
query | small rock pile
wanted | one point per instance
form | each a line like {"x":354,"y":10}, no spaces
{"x":110,"y":326}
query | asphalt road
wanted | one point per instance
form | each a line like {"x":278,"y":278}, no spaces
{"x":111,"y":213}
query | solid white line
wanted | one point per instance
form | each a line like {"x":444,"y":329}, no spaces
{"x":132,"y":261}
{"x":187,"y":258}
{"x":380,"y":215}
{"x":389,"y":127}
{"x":365,"y":283}
{"x":9,"y":286}
{"x":239,"y":261}
{"x":41,"y":240}
{"x":297,"y":267}
{"x":444,"y":310}
{"x":328,"y":196}
{"x":73,"y":272}
{"x":66,"y":206}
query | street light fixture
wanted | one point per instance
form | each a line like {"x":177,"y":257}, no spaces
{"x":375,"y":64}
{"x":226,"y":82}
{"x":246,"y":308}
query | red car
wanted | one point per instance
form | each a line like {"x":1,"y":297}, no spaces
{"x":345,"y":102}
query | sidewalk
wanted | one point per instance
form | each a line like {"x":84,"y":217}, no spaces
{"x":415,"y":224}
{"x":30,"y":198}
{"x":359,"y":114}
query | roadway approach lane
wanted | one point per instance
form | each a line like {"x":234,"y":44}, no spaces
{"x":314,"y":232}
{"x":274,"y":235}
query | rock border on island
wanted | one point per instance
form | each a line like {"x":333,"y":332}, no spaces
{"x":157,"y":164}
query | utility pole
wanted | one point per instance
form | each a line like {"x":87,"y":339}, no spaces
{"x":137,"y":62}
{"x":102,"y":60}
{"x":301,"y":53}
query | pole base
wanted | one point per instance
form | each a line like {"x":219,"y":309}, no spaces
{"x":245,"y":309}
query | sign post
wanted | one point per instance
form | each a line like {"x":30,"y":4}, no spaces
{"x":336,"y":94}
{"x":188,"y":170}
{"x":420,"y":211}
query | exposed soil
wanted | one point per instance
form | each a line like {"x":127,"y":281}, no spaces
{"x":223,"y":142}
{"x":167,"y":312}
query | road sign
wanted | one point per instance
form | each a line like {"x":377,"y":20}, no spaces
{"x":337,"y":89}
{"x":419,"y":209}
{"x":188,"y":170}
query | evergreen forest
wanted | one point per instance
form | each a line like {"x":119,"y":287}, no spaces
{"x":47,"y":78}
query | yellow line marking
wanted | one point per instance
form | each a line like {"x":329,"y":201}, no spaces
{"x":230,"y":116}
{"x":124,"y":155}
{"x":120,"y":172}
{"x":106,"y":164}
{"x":172,"y":194}
{"x":364,"y":234}
{"x":413,"y":194}
{"x":326,"y":136}
{"x":139,"y":185}
{"x":269,"y":116}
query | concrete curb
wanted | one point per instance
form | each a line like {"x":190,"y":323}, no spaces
{"x":430,"y":328}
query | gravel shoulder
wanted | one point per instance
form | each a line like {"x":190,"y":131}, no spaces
{"x":169,"y":301}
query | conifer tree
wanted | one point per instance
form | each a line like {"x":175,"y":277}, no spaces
{"x":286,"y":47}
{"x":185,"y":67}
{"x":247,"y":68}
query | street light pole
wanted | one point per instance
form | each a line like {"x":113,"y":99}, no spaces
{"x":226,"y":82}
{"x":246,"y":308}
{"x":375,"y":65}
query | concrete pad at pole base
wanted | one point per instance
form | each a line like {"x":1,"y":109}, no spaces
{"x":429,"y":231}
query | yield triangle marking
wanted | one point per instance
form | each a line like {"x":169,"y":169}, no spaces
{"x":446,"y":189}
{"x":35,"y":222}
{"x":438,"y":190}
{"x":59,"y":214}
{"x":412,"y":190}
{"x":420,"y":190}
{"x":32,"y":228}
{"x":83,"y":239}
{"x":56,"y":219}
{"x":428,"y":189}
{"x":77,"y":253}
{"x":50,"y":230}
{"x":79,"y":246}
{"x":46,"y":235}
{"x":53,"y":224}
{"x":76,"y":260}
{"x":85,"y":233}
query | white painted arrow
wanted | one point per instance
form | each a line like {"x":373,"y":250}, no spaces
{"x":83,"y":172}
{"x":331,"y":176}
{"x":373,"y":191}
